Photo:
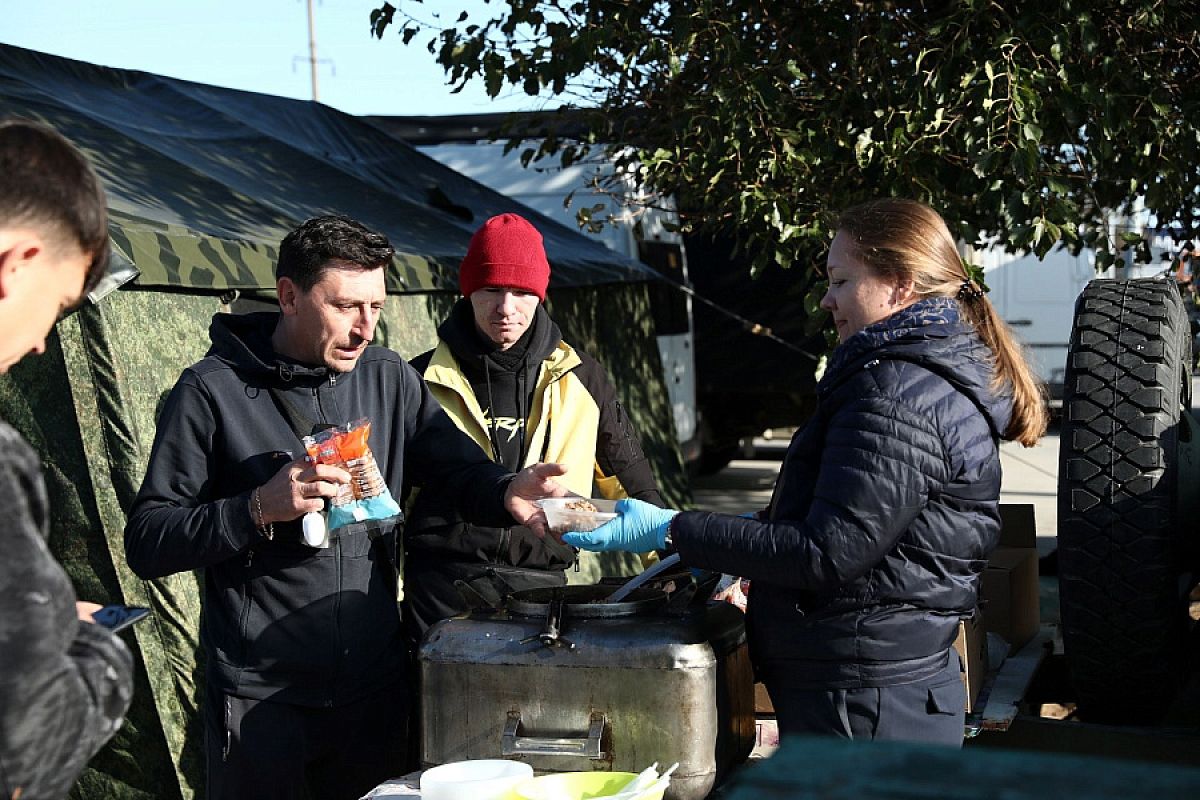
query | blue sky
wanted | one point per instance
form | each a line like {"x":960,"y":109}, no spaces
{"x":256,"y":45}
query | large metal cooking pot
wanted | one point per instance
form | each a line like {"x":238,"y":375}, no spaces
{"x":564,"y":681}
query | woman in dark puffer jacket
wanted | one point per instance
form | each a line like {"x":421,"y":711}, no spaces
{"x":886,"y":505}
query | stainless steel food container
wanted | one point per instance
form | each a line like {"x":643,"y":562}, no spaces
{"x":567,"y":684}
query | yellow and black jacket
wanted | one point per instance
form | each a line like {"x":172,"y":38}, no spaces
{"x":572,"y":417}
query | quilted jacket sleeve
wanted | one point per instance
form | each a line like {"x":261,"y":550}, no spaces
{"x":879,"y":463}
{"x":65,"y":685}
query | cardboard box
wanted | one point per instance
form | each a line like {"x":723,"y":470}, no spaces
{"x":766,"y":738}
{"x":762,"y":700}
{"x":1017,"y":525}
{"x":1008,"y":592}
{"x":971,"y":645}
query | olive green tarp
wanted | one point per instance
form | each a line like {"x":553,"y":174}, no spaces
{"x":203,"y":182}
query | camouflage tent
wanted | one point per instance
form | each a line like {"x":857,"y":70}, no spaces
{"x":203,"y":182}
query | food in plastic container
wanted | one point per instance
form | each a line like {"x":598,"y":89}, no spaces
{"x":566,"y":514}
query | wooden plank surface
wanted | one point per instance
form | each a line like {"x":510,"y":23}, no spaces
{"x":1008,"y":686}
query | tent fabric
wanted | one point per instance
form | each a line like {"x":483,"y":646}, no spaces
{"x":195,"y":170}
{"x":203,"y":182}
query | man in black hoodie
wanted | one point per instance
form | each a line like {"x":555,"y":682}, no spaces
{"x":65,"y":682}
{"x":305,"y":684}
{"x":504,"y":374}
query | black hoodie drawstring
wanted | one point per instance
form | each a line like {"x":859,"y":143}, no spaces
{"x":493,"y":435}
{"x":522,"y":405}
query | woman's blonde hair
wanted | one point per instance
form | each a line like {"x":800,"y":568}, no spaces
{"x":905,"y":240}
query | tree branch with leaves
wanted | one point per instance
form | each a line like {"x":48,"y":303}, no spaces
{"x":1030,"y":123}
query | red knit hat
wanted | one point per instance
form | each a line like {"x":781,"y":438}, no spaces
{"x":506,"y":251}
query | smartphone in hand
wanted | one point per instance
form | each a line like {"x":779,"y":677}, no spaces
{"x":118,"y":618}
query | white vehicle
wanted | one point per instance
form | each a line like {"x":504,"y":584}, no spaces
{"x":1036,"y":297}
{"x":639,"y":233}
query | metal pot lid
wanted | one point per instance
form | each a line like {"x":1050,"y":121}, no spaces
{"x":585,"y":602}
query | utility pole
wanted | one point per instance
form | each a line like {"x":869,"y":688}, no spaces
{"x":312,"y":51}
{"x":311,"y":58}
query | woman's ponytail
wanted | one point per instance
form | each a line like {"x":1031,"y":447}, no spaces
{"x":1029,"y":415}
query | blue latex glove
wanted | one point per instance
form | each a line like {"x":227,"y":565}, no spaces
{"x":639,"y":528}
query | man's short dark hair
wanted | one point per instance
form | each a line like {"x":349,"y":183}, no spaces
{"x":48,"y":184}
{"x":306,"y":251}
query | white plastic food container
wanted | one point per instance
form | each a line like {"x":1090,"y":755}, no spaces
{"x":564,"y":516}
{"x":479,"y":779}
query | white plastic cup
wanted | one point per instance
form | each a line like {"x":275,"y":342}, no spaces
{"x":481,"y":779}
{"x":315,"y":529}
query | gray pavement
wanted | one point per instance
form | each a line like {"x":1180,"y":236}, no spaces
{"x":1031,"y":476}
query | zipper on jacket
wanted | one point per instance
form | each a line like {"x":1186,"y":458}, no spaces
{"x":247,"y":595}
{"x":323,"y":418}
{"x":337,"y":620}
{"x":228,"y":725}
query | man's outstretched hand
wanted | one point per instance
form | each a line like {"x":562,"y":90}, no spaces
{"x":534,"y":483}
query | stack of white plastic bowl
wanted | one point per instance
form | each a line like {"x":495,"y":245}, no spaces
{"x":482,"y":779}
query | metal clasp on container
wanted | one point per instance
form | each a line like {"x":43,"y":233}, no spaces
{"x":551,"y":633}
{"x":512,"y":743}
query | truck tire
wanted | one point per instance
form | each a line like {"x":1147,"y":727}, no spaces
{"x":715,"y":458}
{"x":718,"y":446}
{"x":1124,"y":609}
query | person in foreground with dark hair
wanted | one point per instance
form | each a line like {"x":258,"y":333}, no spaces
{"x":65,"y":682}
{"x":887,"y":502}
{"x":305,"y":691}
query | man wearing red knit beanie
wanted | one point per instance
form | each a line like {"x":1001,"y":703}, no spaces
{"x":506,"y":251}
{"x":503,"y":373}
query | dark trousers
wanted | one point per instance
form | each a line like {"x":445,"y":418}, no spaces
{"x":931,"y":711}
{"x":261,"y":750}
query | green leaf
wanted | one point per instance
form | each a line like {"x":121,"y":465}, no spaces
{"x":381,"y":18}
{"x":1058,"y":186}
